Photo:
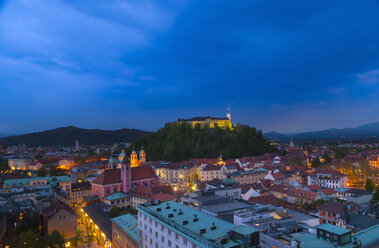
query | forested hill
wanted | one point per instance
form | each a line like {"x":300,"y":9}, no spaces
{"x":179,"y":142}
{"x":66,"y":136}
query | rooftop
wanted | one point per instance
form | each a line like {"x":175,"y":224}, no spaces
{"x":333,"y":229}
{"x":115,"y":196}
{"x":129,"y":224}
{"x":202,"y":229}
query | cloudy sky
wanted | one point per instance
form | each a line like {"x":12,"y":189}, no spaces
{"x":280,"y":65}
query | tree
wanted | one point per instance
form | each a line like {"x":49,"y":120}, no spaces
{"x":41,"y":172}
{"x":316,"y":163}
{"x":55,"y":240}
{"x":369,"y":185}
{"x":4,"y":166}
{"x":375,"y":196}
{"x":327,"y":158}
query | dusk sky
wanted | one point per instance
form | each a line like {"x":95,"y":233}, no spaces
{"x":287,"y":66}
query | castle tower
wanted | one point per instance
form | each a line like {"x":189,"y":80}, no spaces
{"x":134,"y":159}
{"x":142,"y":156}
{"x":228,"y":114}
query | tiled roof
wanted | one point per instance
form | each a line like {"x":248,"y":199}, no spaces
{"x":141,"y":192}
{"x":142,"y":172}
{"x":163,"y":197}
{"x":304,"y":194}
{"x":333,"y":207}
{"x":108,"y":177}
{"x":328,"y":191}
{"x":211,"y":167}
{"x":100,"y":218}
{"x":55,"y":208}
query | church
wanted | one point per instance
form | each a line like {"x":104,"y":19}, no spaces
{"x":122,"y":175}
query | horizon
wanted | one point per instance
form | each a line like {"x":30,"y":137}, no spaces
{"x":115,"y":129}
{"x":283,"y":67}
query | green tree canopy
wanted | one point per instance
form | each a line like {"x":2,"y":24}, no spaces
{"x":327,"y":158}
{"x":316,"y":163}
{"x":179,"y":142}
{"x":375,"y":196}
{"x":369,"y":185}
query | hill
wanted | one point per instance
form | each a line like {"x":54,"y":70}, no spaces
{"x":66,"y":136}
{"x":179,"y":142}
{"x":365,"y":131}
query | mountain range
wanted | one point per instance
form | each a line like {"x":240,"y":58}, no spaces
{"x":370,"y":130}
{"x":66,"y":136}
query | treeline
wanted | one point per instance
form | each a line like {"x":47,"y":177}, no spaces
{"x":179,"y":142}
{"x":66,"y":136}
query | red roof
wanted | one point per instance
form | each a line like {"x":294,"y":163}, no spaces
{"x":313,"y":187}
{"x":310,"y":195}
{"x":333,"y":207}
{"x":142,"y":172}
{"x":108,"y":177}
{"x":328,"y":191}
{"x":114,"y":175}
{"x":265,"y":200}
{"x":211,"y":167}
{"x":142,"y":192}
{"x":55,"y":208}
{"x":163,"y":197}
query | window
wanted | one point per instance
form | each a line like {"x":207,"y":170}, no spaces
{"x":168,"y":232}
{"x":107,"y":191}
{"x":176,"y":236}
{"x":169,"y":243}
{"x":184,"y":241}
{"x":156,"y":234}
{"x":162,"y":238}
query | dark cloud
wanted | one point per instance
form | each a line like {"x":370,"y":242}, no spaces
{"x":268,"y":60}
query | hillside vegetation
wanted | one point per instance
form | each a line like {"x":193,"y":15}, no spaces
{"x":179,"y":142}
{"x":66,"y":136}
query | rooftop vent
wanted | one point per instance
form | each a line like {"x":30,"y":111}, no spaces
{"x":202,"y":231}
{"x":224,"y":241}
{"x":180,"y":213}
{"x":171,"y":215}
{"x":185,"y":222}
{"x":174,"y":209}
{"x":195,"y":218}
{"x":159,"y":209}
{"x":213,"y":227}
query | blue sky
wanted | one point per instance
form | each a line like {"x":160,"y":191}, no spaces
{"x":280,"y":65}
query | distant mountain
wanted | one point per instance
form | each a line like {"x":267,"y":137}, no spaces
{"x":364,"y":131}
{"x":4,"y":135}
{"x":66,"y":136}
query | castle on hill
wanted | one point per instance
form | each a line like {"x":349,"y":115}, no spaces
{"x":211,"y":122}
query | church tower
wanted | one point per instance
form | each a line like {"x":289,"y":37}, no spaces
{"x":142,"y":156}
{"x":134,"y":159}
{"x":126,"y":176}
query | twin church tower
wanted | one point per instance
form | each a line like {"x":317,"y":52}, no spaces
{"x":116,"y":161}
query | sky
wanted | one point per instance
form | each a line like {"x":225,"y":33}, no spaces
{"x":287,"y":66}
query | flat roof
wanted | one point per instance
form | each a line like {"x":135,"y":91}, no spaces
{"x":333,"y":229}
{"x":116,"y":195}
{"x":129,"y":224}
{"x":228,"y":206}
{"x":169,"y":215}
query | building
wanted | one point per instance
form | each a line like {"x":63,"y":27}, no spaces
{"x":327,"y":178}
{"x":330,"y":236}
{"x":171,"y":224}
{"x":248,"y":176}
{"x":208,"y":121}
{"x":79,"y":190}
{"x":62,"y":182}
{"x":118,"y":199}
{"x":374,"y":160}
{"x":60,"y":217}
{"x":176,"y":174}
{"x":125,"y":231}
{"x":117,"y":161}
{"x":121,"y":180}
{"x":19,"y":163}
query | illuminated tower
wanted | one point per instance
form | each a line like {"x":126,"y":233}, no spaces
{"x":134,"y":159}
{"x":142,"y":156}
{"x":228,"y":114}
{"x":126,"y":176}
